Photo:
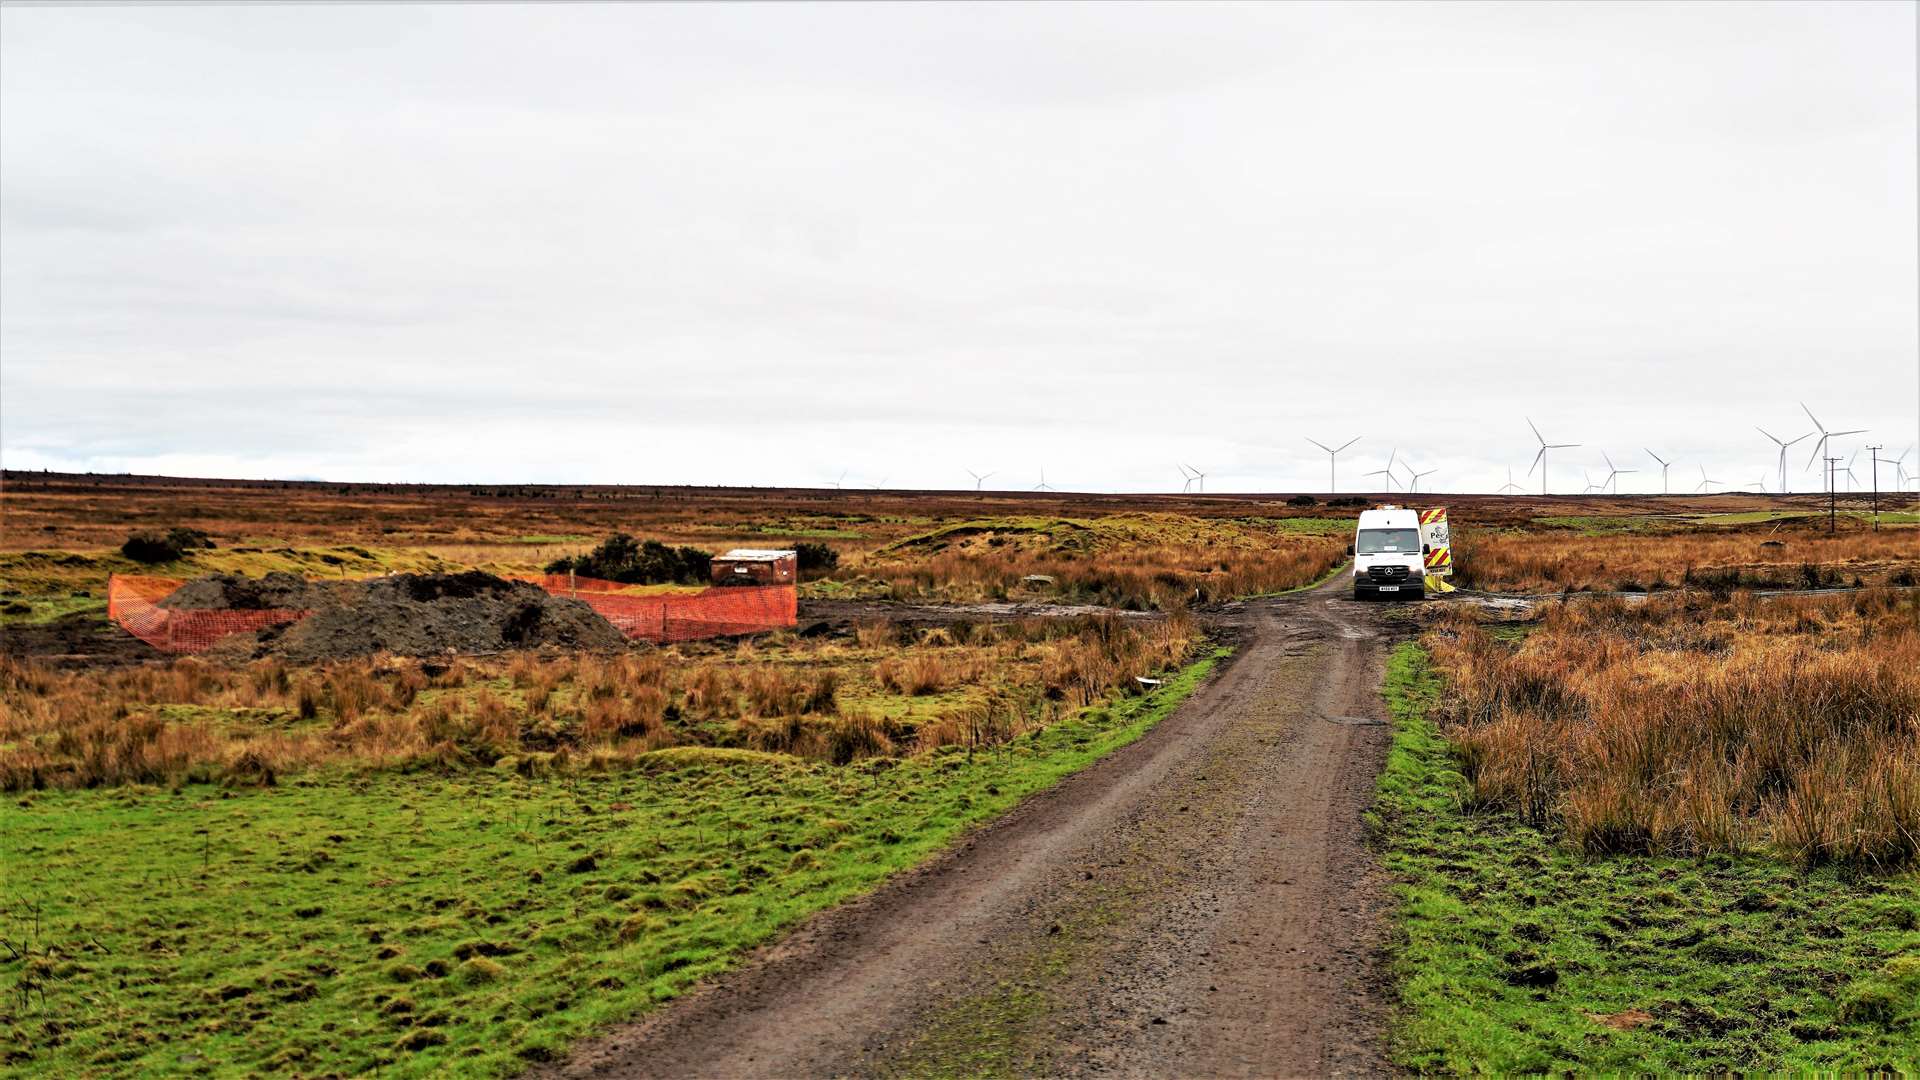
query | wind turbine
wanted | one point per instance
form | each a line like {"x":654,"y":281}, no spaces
{"x":978,"y":478}
{"x":1043,"y":485}
{"x":1820,"y":447}
{"x":1899,"y":468}
{"x":1848,"y":469}
{"x":1588,"y":490}
{"x":1705,"y":482}
{"x":1540,"y":459}
{"x":837,"y":484}
{"x":1783,"y":453}
{"x":1613,"y":473}
{"x":1664,"y":466}
{"x":1388,"y":471}
{"x":1196,"y":476}
{"x":1760,"y":483}
{"x":1413,"y":478}
{"x":1333,"y":455}
{"x":1510,"y":485}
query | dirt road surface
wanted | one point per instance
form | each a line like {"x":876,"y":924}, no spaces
{"x":1197,"y":904}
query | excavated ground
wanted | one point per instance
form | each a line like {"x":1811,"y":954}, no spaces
{"x":428,"y":615}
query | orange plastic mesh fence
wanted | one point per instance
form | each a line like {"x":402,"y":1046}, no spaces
{"x":668,"y":617}
{"x":131,"y":603}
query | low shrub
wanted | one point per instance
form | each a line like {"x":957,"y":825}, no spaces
{"x":152,"y":548}
{"x":815,"y":557}
{"x":623,"y":559}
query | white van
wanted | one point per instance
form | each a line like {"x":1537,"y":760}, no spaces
{"x":1388,"y":556}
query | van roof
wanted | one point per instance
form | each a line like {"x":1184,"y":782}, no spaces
{"x":1389,"y":517}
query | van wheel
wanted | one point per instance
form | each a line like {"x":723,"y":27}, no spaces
{"x":1357,"y":594}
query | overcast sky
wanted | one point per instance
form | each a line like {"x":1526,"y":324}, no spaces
{"x":762,"y":244}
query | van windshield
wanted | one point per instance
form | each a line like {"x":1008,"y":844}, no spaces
{"x":1379,"y":541}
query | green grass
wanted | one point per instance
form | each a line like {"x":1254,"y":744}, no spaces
{"x":1748,"y":517}
{"x":47,"y":607}
{"x":1313,"y":526}
{"x":1515,"y":955}
{"x":49,"y":579}
{"x":468,"y":922}
{"x":816,"y":531}
{"x":1595,"y":525}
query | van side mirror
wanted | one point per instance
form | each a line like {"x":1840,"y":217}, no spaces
{"x":1349,"y":549}
{"x":1425,"y":550}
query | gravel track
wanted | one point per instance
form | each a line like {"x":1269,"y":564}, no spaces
{"x":1200,"y":903}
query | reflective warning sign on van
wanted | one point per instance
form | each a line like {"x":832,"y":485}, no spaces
{"x":1433,"y":534}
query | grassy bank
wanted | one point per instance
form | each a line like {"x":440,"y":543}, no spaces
{"x":349,"y":922}
{"x":1515,"y":954}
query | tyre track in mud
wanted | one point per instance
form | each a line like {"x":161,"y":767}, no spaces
{"x":1198,"y":903}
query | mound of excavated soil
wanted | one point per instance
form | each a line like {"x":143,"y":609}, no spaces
{"x":278,"y":590}
{"x":433,"y":614}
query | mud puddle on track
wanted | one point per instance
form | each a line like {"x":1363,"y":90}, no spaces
{"x":1199,"y":903}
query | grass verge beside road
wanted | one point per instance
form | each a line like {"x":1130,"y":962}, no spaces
{"x":415,"y":924}
{"x":1514,"y":954}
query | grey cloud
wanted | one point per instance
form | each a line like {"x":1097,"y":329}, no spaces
{"x":760,"y":243}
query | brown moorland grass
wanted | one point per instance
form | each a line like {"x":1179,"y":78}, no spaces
{"x":1131,"y":560}
{"x":1566,"y":560}
{"x":1160,"y":577}
{"x":824,"y":700}
{"x":1688,"y":724}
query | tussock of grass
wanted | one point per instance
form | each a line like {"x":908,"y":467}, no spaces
{"x":191,"y":722}
{"x":1516,"y":954}
{"x":1637,"y":554}
{"x":1687,"y":725}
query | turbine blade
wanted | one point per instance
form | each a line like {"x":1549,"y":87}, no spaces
{"x":1810,"y":416}
{"x":1348,"y":443}
{"x":1855,"y":431}
{"x":1321,"y":445}
{"x":1536,"y":459}
{"x":1536,"y":432}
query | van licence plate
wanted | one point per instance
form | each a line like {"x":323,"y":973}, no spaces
{"x":1389,"y":588}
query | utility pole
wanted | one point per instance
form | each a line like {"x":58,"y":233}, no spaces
{"x":1873,"y":452}
{"x":1832,"y":491}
